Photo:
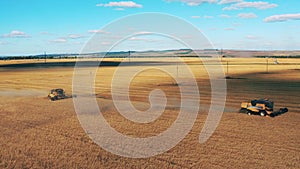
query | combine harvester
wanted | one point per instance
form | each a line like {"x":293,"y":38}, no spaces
{"x":57,"y":94}
{"x":262,"y":107}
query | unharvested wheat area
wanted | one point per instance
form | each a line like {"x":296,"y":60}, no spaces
{"x":39,"y":133}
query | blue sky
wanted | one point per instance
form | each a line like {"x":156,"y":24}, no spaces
{"x":64,"y":26}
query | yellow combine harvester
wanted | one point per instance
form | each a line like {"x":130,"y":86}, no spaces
{"x":57,"y":94}
{"x":262,"y":107}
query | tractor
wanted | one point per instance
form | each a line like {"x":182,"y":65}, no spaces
{"x":262,"y":107}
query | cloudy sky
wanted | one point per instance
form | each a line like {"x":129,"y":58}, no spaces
{"x":64,"y":26}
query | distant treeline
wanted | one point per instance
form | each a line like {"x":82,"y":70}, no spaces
{"x":38,"y":57}
{"x":124,"y":55}
{"x":295,"y":56}
{"x":109,"y":55}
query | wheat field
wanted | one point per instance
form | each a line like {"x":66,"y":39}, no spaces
{"x":38,"y":133}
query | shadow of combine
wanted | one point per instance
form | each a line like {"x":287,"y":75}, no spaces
{"x":60,"y":99}
{"x":234,"y":78}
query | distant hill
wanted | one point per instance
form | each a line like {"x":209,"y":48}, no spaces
{"x":168,"y":53}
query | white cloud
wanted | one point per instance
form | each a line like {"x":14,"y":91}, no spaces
{"x":74,"y":36}
{"x":119,"y":9}
{"x":137,"y":39}
{"x":141,"y":39}
{"x":268,"y":44}
{"x":16,"y":34}
{"x":236,"y":24}
{"x":247,"y":15}
{"x":228,"y":8}
{"x":144,"y":33}
{"x":122,"y":4}
{"x":282,"y":18}
{"x":229,"y":29}
{"x":251,"y":37}
{"x":225,"y":16}
{"x":3,"y":43}
{"x":195,"y":17}
{"x":106,"y":43}
{"x":59,"y":40}
{"x":194,"y":2}
{"x":208,"y":17}
{"x":229,"y":1}
{"x":98,"y":31}
{"x":77,"y":43}
{"x":257,"y":4}
{"x":45,"y":33}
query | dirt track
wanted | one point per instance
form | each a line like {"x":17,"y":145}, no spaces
{"x":37,"y":133}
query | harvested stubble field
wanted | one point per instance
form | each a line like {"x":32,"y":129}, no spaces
{"x":38,"y":133}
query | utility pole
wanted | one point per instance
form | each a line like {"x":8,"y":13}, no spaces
{"x":267,"y":65}
{"x":45,"y":56}
{"x":129,"y":54}
{"x":221,"y":54}
{"x":177,"y":71}
{"x":227,"y":68}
